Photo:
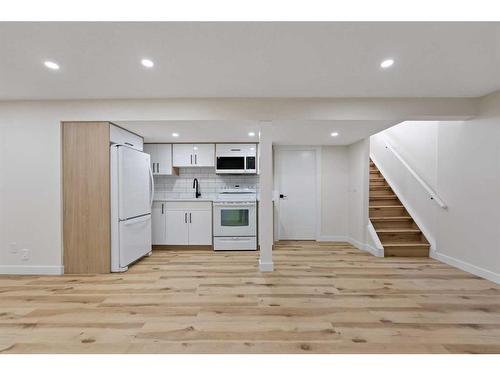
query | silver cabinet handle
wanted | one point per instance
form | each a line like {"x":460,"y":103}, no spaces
{"x":158,"y":169}
{"x":190,"y":218}
{"x":191,"y":158}
{"x":195,"y":159}
{"x":185,"y":217}
{"x":162,"y":212}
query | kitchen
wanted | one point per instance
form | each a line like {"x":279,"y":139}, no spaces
{"x":161,"y":196}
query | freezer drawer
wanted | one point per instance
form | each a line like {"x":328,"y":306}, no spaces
{"x":235,"y":243}
{"x":135,"y":239}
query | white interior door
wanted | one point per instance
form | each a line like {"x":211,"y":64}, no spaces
{"x":296,"y":184}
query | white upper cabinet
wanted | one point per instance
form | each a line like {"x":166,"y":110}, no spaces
{"x":194,"y":155}
{"x":161,"y":158}
{"x":204,"y":155}
{"x":124,"y":137}
{"x":183,"y":155}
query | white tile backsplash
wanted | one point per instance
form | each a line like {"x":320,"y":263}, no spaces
{"x":181,"y":187}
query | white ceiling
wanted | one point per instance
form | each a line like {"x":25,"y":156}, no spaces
{"x":296,"y":133}
{"x":101,"y":60}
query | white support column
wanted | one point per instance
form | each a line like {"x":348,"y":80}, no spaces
{"x":266,"y":224}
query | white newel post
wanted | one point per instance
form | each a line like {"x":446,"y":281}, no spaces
{"x":266,"y":198}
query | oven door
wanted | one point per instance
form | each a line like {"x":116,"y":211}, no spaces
{"x":234,"y":219}
{"x":230,"y":164}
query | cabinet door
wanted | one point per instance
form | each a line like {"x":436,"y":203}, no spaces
{"x":158,"y":225}
{"x":150,"y":148}
{"x":164,"y":159}
{"x":177,"y":227}
{"x":200,"y":227}
{"x":204,"y":155}
{"x":183,"y":155}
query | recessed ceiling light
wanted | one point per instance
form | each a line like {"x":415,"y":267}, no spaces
{"x":175,"y":134}
{"x":386,"y":63}
{"x":51,"y":65}
{"x":334,"y":134}
{"x":147,"y":63}
{"x":251,"y":134}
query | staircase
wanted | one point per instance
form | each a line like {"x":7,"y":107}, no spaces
{"x":397,"y":231}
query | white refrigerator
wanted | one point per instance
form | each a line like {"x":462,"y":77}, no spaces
{"x":132,"y":190}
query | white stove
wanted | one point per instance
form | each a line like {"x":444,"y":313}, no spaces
{"x":235,"y":219}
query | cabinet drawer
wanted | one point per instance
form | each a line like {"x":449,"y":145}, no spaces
{"x":189,"y":206}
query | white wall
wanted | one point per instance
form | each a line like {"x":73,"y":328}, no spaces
{"x":358,"y":159}
{"x":416,"y":142}
{"x":467,"y":160}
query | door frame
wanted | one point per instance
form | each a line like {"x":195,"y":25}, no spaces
{"x":317,"y":182}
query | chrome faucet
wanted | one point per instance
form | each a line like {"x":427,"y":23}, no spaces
{"x":196,"y":185}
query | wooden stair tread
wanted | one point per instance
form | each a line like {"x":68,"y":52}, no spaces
{"x":383,"y":196}
{"x":391,"y":218}
{"x":406,"y":244}
{"x":398,"y":230}
{"x":388,"y":206}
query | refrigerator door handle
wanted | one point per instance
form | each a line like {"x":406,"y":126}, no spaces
{"x":152,"y":190}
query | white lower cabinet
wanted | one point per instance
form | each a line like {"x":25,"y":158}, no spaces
{"x":182,"y":223}
{"x":200,"y":227}
{"x":158,"y":218}
{"x":177,"y":228}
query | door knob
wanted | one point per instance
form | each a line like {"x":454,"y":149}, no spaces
{"x":282,"y":196}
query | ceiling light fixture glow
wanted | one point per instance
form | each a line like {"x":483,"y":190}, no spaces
{"x":251,"y":134}
{"x":334,"y":134}
{"x":51,"y":65}
{"x":147,"y":63}
{"x":175,"y":135}
{"x":386,"y":63}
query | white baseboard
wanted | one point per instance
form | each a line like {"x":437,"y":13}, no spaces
{"x":266,"y":266}
{"x":333,"y":239}
{"x":374,"y":251}
{"x":353,"y":242}
{"x":467,"y":267}
{"x":31,"y":270}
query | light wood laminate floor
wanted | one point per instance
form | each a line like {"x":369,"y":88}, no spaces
{"x":322,"y":298}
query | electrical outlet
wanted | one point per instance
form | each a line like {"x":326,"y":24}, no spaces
{"x":13,"y":248}
{"x":25,"y":254}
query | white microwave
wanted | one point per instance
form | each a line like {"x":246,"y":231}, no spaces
{"x":236,"y":158}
